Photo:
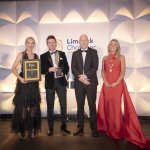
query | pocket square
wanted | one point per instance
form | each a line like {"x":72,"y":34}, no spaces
{"x":61,"y":58}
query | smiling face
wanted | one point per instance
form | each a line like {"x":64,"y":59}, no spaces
{"x":30,"y":44}
{"x":113,"y":47}
{"x":83,"y":41}
{"x":51,"y":43}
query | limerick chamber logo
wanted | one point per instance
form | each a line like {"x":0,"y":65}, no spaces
{"x":73,"y":44}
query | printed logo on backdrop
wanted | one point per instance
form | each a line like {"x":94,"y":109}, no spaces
{"x":73,"y":44}
{"x":59,"y":45}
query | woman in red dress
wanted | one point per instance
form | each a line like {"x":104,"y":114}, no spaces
{"x":109,"y":116}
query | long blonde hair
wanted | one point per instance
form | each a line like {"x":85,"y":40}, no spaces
{"x":118,"y":51}
{"x":26,"y":42}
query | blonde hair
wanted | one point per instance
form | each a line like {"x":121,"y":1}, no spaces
{"x":26,"y":42}
{"x":118,"y":47}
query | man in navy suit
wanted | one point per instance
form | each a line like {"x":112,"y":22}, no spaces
{"x":52,"y":63}
{"x":84,"y":66}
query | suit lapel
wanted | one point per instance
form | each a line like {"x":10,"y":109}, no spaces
{"x":87,"y":56}
{"x":49,"y":58}
{"x":80,"y":56}
{"x":59,"y":56}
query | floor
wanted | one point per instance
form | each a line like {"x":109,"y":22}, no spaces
{"x":62,"y":141}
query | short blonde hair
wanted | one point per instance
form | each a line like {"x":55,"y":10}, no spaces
{"x":118,"y":47}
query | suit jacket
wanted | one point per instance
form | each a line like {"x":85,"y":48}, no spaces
{"x":46,"y":63}
{"x":90,"y":66}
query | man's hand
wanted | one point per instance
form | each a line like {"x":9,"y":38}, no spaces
{"x":60,"y":76}
{"x":82,"y":77}
{"x":53,"y":69}
{"x":86,"y":82}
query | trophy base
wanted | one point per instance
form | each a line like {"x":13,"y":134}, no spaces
{"x":59,"y":72}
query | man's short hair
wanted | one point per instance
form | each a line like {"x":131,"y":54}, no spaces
{"x":50,"y":37}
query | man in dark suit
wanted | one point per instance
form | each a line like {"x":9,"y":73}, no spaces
{"x":84,"y":66}
{"x":52,"y":63}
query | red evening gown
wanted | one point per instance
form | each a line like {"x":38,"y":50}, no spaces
{"x":109,"y":115}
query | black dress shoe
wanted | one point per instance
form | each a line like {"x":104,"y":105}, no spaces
{"x":94,"y":133}
{"x":50,"y":132}
{"x":78,"y":131}
{"x":64,"y":128}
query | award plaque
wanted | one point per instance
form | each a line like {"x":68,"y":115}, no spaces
{"x":31,"y":70}
{"x":59,"y":72}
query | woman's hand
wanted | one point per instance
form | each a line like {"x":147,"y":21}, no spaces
{"x":22,"y":80}
{"x":106,"y":84}
{"x":114,"y":84}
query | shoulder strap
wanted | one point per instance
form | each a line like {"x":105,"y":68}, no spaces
{"x":35,"y":56}
{"x":24,"y":56}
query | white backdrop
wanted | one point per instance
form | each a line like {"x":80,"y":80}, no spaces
{"x":126,"y":20}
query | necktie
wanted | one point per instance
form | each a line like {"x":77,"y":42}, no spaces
{"x":53,"y":52}
{"x":84,"y":51}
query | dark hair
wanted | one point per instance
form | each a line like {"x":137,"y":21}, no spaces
{"x":51,"y":37}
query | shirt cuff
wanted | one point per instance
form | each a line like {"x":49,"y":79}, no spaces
{"x":86,"y":76}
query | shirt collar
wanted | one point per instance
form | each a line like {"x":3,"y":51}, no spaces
{"x":84,"y":49}
{"x":52,"y":51}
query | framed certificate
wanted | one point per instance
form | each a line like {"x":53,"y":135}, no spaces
{"x":31,"y":70}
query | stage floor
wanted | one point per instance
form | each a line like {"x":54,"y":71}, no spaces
{"x":62,"y":141}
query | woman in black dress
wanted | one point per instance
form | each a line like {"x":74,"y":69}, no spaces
{"x":26,"y":114}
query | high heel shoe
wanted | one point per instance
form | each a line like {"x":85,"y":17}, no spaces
{"x":23,"y":136}
{"x":33,"y":135}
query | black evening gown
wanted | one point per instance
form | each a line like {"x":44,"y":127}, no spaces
{"x":27,"y":113}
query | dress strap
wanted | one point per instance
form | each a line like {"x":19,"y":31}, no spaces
{"x":24,"y":56}
{"x":113,"y":56}
{"x":35,"y":56}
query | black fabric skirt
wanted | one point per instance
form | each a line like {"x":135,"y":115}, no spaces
{"x":27,"y":113}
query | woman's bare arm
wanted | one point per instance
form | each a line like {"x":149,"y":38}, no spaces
{"x":14,"y":67}
{"x":103,"y":73}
